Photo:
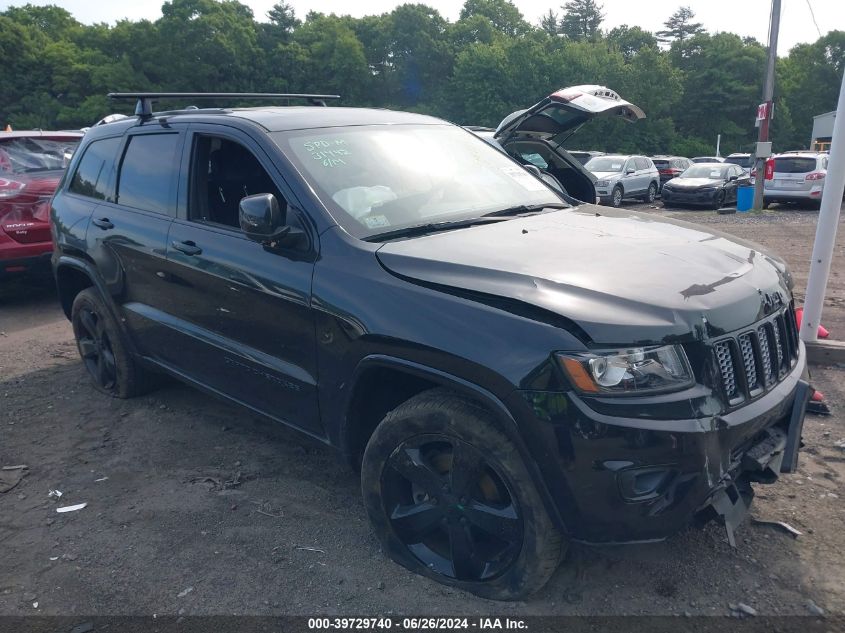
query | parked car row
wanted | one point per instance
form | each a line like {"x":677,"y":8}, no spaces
{"x":31,"y":166}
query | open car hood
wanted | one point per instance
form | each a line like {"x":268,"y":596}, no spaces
{"x":566,"y":110}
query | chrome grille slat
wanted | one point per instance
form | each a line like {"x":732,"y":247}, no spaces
{"x":726,"y":369}
{"x":765,"y":354}
{"x":754,"y":360}
{"x":746,"y":349}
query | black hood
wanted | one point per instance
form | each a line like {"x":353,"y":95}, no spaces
{"x":624,"y":277}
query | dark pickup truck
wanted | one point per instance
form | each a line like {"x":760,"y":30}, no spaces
{"x":509,"y":369}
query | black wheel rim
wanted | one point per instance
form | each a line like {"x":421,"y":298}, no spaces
{"x":451,"y":508}
{"x":95,"y":348}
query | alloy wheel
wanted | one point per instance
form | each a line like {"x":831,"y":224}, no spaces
{"x":96,"y":349}
{"x":451,"y":508}
{"x":617,"y":197}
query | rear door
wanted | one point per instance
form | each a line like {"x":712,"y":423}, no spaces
{"x":127,"y":236}
{"x":645,"y":173}
{"x":239,"y":314}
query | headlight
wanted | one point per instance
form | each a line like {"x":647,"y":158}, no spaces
{"x":602,"y":183}
{"x":628,"y":372}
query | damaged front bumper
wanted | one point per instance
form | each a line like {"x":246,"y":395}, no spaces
{"x":616,"y":479}
{"x":774,"y":452}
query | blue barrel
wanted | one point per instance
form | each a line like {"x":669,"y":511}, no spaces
{"x":744,"y":198}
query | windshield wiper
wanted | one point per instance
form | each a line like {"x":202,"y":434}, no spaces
{"x":431,"y":227}
{"x":525,"y":208}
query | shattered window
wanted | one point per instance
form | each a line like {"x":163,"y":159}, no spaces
{"x":23,"y":155}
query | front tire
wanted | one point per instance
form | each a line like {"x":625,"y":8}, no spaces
{"x":101,"y":346}
{"x":719,"y":202}
{"x":451,"y":499}
{"x":616,"y":196}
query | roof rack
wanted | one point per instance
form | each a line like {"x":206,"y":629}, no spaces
{"x":144,"y":105}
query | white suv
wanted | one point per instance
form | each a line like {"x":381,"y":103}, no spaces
{"x":798,"y":177}
{"x":619,"y":177}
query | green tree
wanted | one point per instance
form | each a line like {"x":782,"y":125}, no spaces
{"x":630,"y":39}
{"x":680,"y":26}
{"x":581,"y":20}
{"x":550,"y":23}
{"x":503,"y":15}
{"x":808,"y":82}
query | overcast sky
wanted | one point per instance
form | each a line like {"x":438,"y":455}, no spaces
{"x":744,"y":17}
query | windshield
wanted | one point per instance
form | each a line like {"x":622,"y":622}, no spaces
{"x":742,"y":161}
{"x":605,"y":163}
{"x":706,"y":171}
{"x":794,"y":165}
{"x":23,"y":155}
{"x":380,"y":178}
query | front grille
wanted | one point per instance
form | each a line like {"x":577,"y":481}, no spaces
{"x":754,"y":360}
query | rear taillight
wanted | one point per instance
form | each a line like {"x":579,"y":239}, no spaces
{"x":816,"y":175}
{"x":10,"y":188}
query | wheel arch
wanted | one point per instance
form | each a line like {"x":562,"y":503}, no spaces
{"x":363,"y":413}
{"x":75,"y":275}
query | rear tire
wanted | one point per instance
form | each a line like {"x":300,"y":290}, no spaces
{"x":651,"y":194}
{"x":103,"y":350}
{"x":450,"y":498}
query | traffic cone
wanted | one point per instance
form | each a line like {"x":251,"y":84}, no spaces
{"x":817,"y":404}
{"x":8,"y":128}
{"x":799,"y":313}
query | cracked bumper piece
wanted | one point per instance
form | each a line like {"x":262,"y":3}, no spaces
{"x":619,"y":479}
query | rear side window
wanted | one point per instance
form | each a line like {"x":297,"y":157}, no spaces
{"x":146,"y":174}
{"x":643,"y":163}
{"x":91,"y":178}
{"x":794,"y":165}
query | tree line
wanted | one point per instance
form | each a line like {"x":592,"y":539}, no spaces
{"x":692,"y":84}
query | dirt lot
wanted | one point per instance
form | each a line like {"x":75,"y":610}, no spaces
{"x":196,"y":507}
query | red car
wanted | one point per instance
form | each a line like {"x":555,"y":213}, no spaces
{"x":31,"y":165}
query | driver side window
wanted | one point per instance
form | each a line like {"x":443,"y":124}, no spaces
{"x":223,"y":172}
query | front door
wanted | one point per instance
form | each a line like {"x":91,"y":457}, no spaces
{"x":241,"y":313}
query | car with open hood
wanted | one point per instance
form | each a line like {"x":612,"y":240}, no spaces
{"x":710,"y":185}
{"x":535,"y":136}
{"x":31,"y":164}
{"x":507,"y":369}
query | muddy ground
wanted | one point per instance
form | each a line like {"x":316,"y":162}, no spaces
{"x":196,"y":507}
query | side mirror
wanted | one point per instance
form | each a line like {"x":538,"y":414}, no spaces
{"x":263,"y":221}
{"x":734,"y":178}
{"x":534,"y":170}
{"x":630,"y":171}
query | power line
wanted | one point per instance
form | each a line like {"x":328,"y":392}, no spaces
{"x":813,"y":15}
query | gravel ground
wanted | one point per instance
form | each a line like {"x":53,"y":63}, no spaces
{"x":196,"y":507}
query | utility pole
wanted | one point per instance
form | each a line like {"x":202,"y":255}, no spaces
{"x":764,"y":112}
{"x":824,"y":246}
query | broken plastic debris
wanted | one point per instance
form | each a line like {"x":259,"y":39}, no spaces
{"x":184,"y":592}
{"x":54,"y":558}
{"x":100,"y":479}
{"x":781,"y":525}
{"x":55,"y":493}
{"x":311,"y":549}
{"x":78,"y":506}
{"x":18,"y":467}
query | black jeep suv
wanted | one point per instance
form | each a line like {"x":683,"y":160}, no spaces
{"x":509,"y":371}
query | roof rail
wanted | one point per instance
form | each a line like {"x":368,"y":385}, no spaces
{"x":144,"y":105}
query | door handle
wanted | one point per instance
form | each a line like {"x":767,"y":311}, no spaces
{"x":187,"y":247}
{"x":103,"y":223}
